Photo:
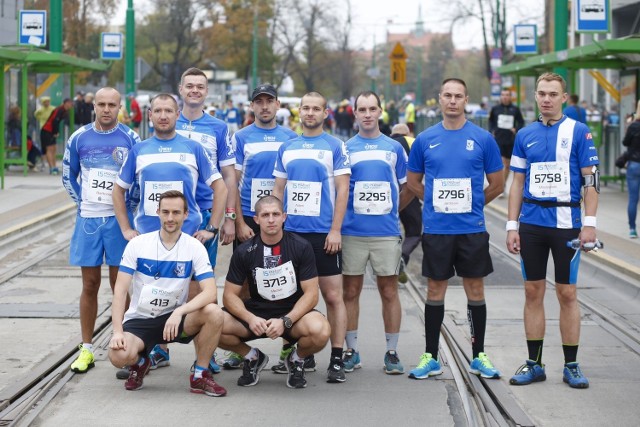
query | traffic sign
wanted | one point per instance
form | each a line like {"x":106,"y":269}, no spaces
{"x":593,"y":16}
{"x":111,"y":46}
{"x":33,"y":27}
{"x":398,"y":72}
{"x":398,"y":53}
{"x":526,"y":39}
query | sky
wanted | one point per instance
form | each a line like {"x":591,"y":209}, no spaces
{"x":372,"y":19}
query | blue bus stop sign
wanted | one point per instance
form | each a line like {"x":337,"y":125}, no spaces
{"x":525,"y":39}
{"x":593,"y":16}
{"x":32,"y":28}
{"x":111,"y":46}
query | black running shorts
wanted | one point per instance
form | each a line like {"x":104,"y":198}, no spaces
{"x":466,"y":255}
{"x":150,"y":331}
{"x":327,"y":265}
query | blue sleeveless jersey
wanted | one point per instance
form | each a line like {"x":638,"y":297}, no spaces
{"x":378,"y":169}
{"x":551,"y":158}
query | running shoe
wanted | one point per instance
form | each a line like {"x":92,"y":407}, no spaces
{"x":633,"y":234}
{"x":310,"y":363}
{"x":206,"y":385}
{"x":295,"y":378}
{"x":335,"y":372}
{"x":482,"y":366}
{"x":351,"y":360}
{"x":136,"y":375}
{"x":573,"y":376}
{"x":233,"y":361}
{"x":54,"y":171}
{"x":392,"y":364}
{"x":122,"y":373}
{"x":528,"y":373}
{"x":427,"y":367}
{"x":402,"y":275}
{"x":84,"y":362}
{"x":159,"y":357}
{"x":251,"y":370}
{"x":281,"y":368}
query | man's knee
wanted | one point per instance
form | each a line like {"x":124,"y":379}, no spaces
{"x":567,"y":294}
{"x":212,"y":313}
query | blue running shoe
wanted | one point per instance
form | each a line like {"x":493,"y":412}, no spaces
{"x":427,"y":367}
{"x":392,"y":364}
{"x":573,"y":376}
{"x":159,"y":358}
{"x":351,"y":360}
{"x":214,"y":368}
{"x":528,"y":373}
{"x":233,"y":361}
{"x":482,"y":366}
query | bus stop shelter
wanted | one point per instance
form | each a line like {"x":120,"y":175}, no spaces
{"x":619,"y":54}
{"x":33,"y":60}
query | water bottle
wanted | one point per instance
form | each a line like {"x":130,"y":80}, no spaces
{"x":575,"y":244}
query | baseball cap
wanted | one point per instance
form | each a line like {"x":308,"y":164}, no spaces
{"x":265,"y":89}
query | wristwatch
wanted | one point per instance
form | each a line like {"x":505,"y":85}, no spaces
{"x":287,"y":322}
{"x":211,"y":229}
{"x":230,"y":215}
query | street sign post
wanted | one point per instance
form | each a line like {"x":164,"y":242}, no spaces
{"x":32,"y":28}
{"x":526,"y":39}
{"x":593,"y":16}
{"x":398,"y":59}
{"x":111,"y":46}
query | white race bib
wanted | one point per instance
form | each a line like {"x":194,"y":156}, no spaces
{"x":260,"y":187}
{"x":152,"y":192}
{"x":549,"y":179}
{"x":452,"y":195}
{"x":303,"y":198}
{"x":505,"y":121}
{"x":372,"y":197}
{"x":276,"y":283}
{"x":101,"y":185}
{"x":155,"y":301}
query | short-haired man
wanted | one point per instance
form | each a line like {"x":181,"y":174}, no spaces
{"x":92,"y":159}
{"x":256,"y":147}
{"x":454,"y":156}
{"x":371,"y":227}
{"x":554,"y":167}
{"x":169,"y":161}
{"x":158,"y":267}
{"x":280,"y":270}
{"x":312,"y":174}
{"x":573,"y":109}
{"x":505,"y":119}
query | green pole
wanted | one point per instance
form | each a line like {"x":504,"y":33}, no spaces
{"x":55,"y":45}
{"x":561,"y":23}
{"x":2,"y":130}
{"x":373,"y":66}
{"x":24,"y":91}
{"x":254,"y":50}
{"x":130,"y":53}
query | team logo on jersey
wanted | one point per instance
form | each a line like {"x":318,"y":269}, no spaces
{"x":564,"y":143}
{"x":187,"y":126}
{"x":183,"y":157}
{"x":320,"y":154}
{"x":180,"y":269}
{"x":269,"y":138}
{"x":388,"y":157}
{"x":306,"y":145}
{"x":119,"y":154}
{"x":589,"y":136}
{"x":164,"y":149}
{"x":470,"y":144}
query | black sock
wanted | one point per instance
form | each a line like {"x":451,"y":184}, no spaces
{"x":477,"y":316}
{"x":433,"y":317}
{"x":336,"y":352}
{"x":535,"y":350}
{"x":570,"y":353}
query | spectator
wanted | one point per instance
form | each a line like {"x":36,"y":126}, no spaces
{"x":574,"y":111}
{"x":632,"y":142}
{"x":135,"y":112}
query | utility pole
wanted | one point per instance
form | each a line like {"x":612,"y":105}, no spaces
{"x":254,"y":49}
{"x":561,"y":23}
{"x":130,"y":53}
{"x":55,"y":45}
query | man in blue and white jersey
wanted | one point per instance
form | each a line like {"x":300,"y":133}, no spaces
{"x":167,"y":161}
{"x":232,"y":117}
{"x":312,"y":177}
{"x":256,"y":147}
{"x":371,"y":227}
{"x":158,"y":267}
{"x":454,"y":156}
{"x":92,"y":159}
{"x":213,"y":135}
{"x":555,"y":167}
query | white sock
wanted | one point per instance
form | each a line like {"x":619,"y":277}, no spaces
{"x":252,"y":355}
{"x":88,"y":346}
{"x":295,"y":357}
{"x":352,"y":340}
